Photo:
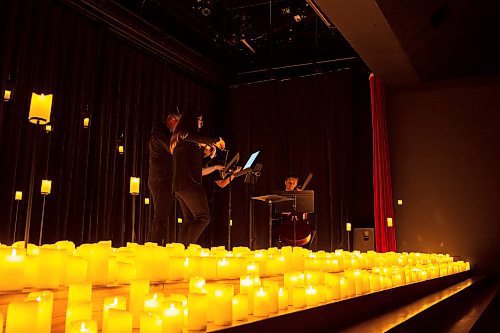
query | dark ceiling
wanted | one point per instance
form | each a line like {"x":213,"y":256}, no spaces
{"x":251,"y":39}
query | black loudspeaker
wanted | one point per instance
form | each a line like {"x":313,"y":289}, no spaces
{"x":364,"y":239}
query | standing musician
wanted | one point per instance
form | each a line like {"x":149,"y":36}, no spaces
{"x":162,"y":227}
{"x":189,"y":147}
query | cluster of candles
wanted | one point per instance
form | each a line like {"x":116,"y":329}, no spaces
{"x":270,"y":281}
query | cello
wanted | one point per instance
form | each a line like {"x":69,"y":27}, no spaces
{"x":295,"y":229}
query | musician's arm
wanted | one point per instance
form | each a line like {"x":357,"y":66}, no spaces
{"x":210,"y":169}
{"x":224,"y":182}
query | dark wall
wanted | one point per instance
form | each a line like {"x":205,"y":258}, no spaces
{"x":47,"y":47}
{"x":445,"y":144}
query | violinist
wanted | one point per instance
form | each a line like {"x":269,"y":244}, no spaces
{"x":189,"y":147}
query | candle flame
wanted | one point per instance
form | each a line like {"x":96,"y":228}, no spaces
{"x":115,"y":301}
{"x":186,"y":262}
{"x":14,"y":252}
{"x":83,"y":327}
{"x":38,"y":299}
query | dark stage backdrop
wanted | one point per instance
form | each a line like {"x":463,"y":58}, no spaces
{"x":301,"y":125}
{"x":46,"y":47}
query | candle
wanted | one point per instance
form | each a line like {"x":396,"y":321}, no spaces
{"x":134,"y":185}
{"x":75,"y":270}
{"x":223,"y":304}
{"x":172,"y":318}
{"x":253,"y":268}
{"x":240,"y":307}
{"x":348,"y":227}
{"x":151,"y":322}
{"x":197,"y":312}
{"x":77,"y":312}
{"x":7,"y":95}
{"x":118,"y":302}
{"x":224,"y":269}
{"x":21,"y":317}
{"x":153,"y":302}
{"x":11,"y":269}
{"x":40,"y":108}
{"x":138,"y":291}
{"x":45,"y":301}
{"x":322,"y":292}
{"x":311,"y":296}
{"x":374,"y":281}
{"x":83,"y":326}
{"x":49,"y":260}
{"x":120,"y":149}
{"x":79,"y":292}
{"x":119,"y":321}
{"x":48,"y":128}
{"x":282,"y":298}
{"x":299,"y":297}
{"x":261,"y":302}
{"x":197,"y":285}
{"x":358,"y":282}
{"x":18,"y":196}
{"x":389,"y":222}
{"x":343,"y":287}
{"x":86,"y":122}
{"x":146,"y":201}
{"x":273,"y":295}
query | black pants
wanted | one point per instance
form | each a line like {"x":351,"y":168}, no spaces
{"x":196,"y":213}
{"x":162,"y":227}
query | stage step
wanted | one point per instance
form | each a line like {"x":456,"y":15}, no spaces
{"x":457,"y":308}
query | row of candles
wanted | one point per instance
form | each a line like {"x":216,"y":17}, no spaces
{"x":215,"y":302}
{"x":101,"y":264}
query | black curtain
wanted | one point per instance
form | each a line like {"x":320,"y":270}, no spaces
{"x":300,"y":125}
{"x":46,"y":47}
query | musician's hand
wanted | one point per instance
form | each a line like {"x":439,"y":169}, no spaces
{"x":220,"y":144}
{"x":219,"y":167}
{"x":238,"y":169}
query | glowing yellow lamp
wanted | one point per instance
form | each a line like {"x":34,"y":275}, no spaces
{"x":86,"y":122}
{"x":348,"y":227}
{"x":46,"y":186}
{"x":389,"y":222}
{"x":134,"y":185}
{"x":400,"y":202}
{"x":121,"y":149}
{"x":7,"y":95}
{"x":48,"y":128}
{"x":18,"y":196}
{"x":146,"y":201}
{"x":40,"y":109}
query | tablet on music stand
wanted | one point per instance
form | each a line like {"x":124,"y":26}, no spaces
{"x":251,"y":159}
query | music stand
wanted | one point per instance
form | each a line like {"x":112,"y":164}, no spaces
{"x":302,"y":202}
{"x":271,"y":199}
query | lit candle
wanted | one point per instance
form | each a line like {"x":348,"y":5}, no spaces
{"x":77,"y":312}
{"x":197,"y":312}
{"x":84,"y":326}
{"x":151,"y":322}
{"x":86,"y":122}
{"x":134,"y":185}
{"x":153,"y":302}
{"x":282,"y":299}
{"x":49,"y":260}
{"x":299,"y":297}
{"x":138,"y":291}
{"x":311,"y":296}
{"x":358,"y":282}
{"x":146,"y":201}
{"x":75,"y":270}
{"x":172,"y":318}
{"x":389,"y":222}
{"x":79,"y":292}
{"x":18,"y":196}
{"x":46,"y":186}
{"x":223,"y":304}
{"x":119,"y":321}
{"x":273,"y":295}
{"x":224,"y":269}
{"x":11,"y":269}
{"x":40,"y":108}
{"x":348,"y":227}
{"x":400,"y":202}
{"x":322,"y":292}
{"x":240,"y":307}
{"x":253,"y":268}
{"x":261,"y":302}
{"x":118,"y":302}
{"x":7,"y":95}
{"x":197,"y":285}
{"x":45,"y":300}
{"x":121,"y":149}
{"x":21,"y":317}
{"x":48,"y":128}
{"x":343,"y":288}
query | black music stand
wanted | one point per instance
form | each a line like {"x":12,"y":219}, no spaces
{"x":271,"y":199}
{"x":300,"y":202}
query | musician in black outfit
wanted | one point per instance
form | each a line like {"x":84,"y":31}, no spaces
{"x":161,"y":165}
{"x":189,"y":147}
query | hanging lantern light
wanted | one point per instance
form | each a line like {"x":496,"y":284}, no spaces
{"x":40,"y":108}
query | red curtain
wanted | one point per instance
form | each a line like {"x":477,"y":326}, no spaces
{"x":385,"y":237}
